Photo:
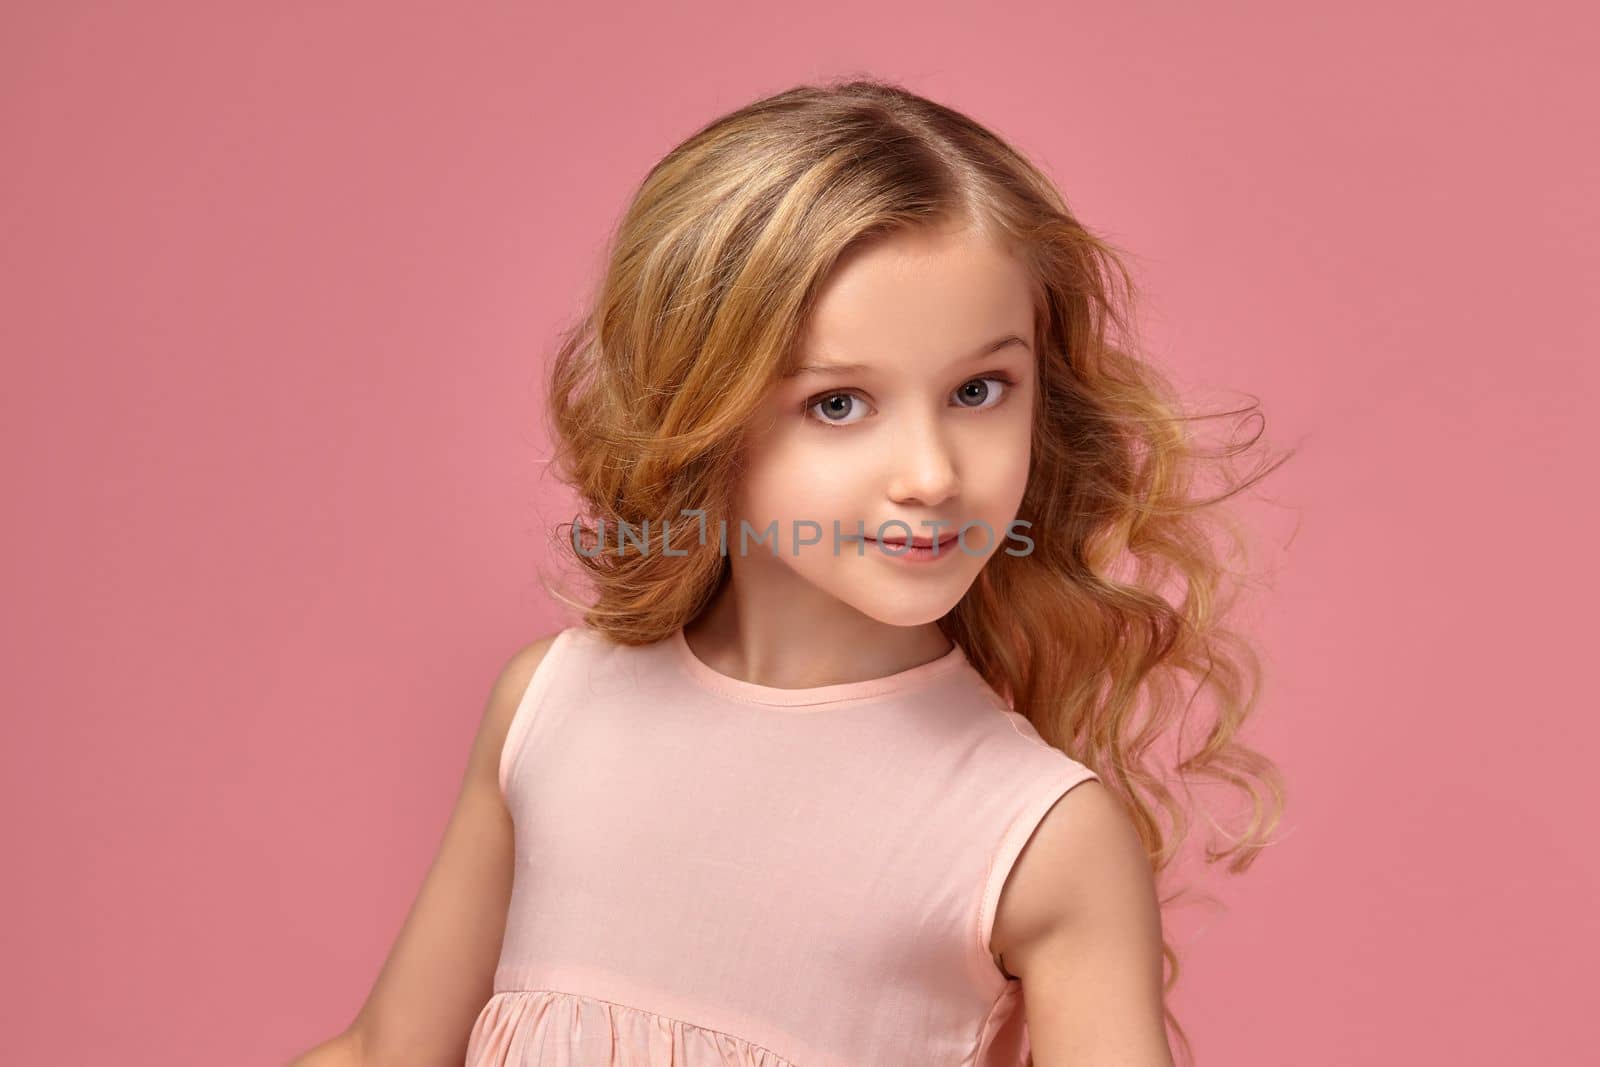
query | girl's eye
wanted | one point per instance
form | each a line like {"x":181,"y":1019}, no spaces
{"x":834,"y":407}
{"x":983,"y":396}
{"x":842,"y":409}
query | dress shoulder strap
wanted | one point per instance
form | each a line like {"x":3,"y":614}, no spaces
{"x":533,"y":697}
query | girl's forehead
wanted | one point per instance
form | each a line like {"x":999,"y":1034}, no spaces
{"x":948,"y":301}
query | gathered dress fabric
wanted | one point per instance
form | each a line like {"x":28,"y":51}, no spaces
{"x":712,"y":872}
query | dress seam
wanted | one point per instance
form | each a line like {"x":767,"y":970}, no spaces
{"x":654,"y":1014}
{"x":978,"y":1045}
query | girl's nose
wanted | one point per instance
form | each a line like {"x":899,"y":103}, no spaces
{"x":922,"y":467}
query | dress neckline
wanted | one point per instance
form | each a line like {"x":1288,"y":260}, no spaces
{"x":811,"y":697}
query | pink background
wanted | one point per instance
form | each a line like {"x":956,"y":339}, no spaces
{"x":278,"y":286}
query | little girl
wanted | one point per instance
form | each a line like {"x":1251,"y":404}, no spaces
{"x":851,"y":762}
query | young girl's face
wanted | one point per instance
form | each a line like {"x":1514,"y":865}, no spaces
{"x":914,"y":405}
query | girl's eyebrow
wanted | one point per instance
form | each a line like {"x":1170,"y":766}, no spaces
{"x":843,"y":368}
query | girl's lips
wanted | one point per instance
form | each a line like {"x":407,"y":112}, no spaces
{"x":920,"y":551}
{"x":918,"y":542}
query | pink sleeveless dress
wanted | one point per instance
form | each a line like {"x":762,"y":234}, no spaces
{"x":714,"y":872}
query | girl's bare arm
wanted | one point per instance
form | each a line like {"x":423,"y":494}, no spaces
{"x":440,"y":971}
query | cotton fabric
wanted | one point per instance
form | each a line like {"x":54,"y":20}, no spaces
{"x":714,"y":872}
